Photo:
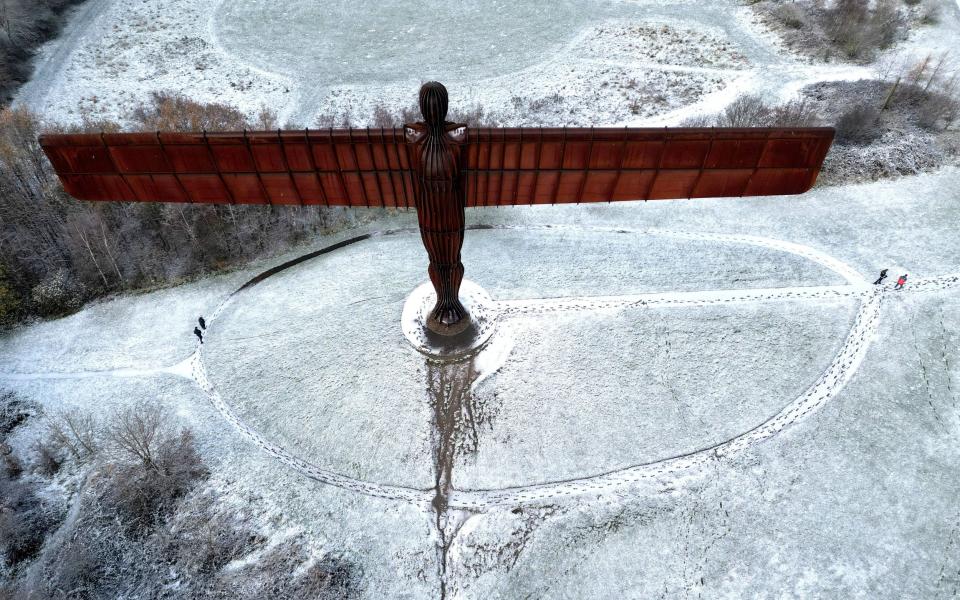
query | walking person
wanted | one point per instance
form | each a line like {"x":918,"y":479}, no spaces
{"x":901,"y":282}
{"x":198,"y":333}
{"x":883,"y":275}
{"x":203,"y":324}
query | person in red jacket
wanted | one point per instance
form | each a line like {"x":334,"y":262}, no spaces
{"x":901,"y":282}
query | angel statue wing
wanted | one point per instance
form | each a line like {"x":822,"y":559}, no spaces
{"x":375,"y":167}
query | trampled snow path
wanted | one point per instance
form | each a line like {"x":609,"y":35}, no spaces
{"x":831,"y":381}
{"x":53,"y":58}
{"x":182,"y":368}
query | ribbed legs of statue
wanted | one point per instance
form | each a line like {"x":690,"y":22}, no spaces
{"x":446,"y":280}
{"x":446,"y":272}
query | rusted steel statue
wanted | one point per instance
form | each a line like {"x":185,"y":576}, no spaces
{"x":440,"y":202}
{"x":439,"y":168}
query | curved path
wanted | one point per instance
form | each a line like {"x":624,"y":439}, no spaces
{"x":48,"y":66}
{"x":771,"y":72}
{"x":830,"y":382}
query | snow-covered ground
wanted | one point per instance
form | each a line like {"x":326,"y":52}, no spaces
{"x":792,"y":430}
{"x":573,"y":62}
{"x":681,"y":399}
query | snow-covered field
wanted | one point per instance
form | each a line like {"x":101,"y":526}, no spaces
{"x":739,"y":416}
{"x":681,"y":399}
{"x":573,"y":62}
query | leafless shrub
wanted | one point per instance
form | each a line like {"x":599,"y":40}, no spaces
{"x":92,"y":559}
{"x":24,"y":517}
{"x":13,"y":412}
{"x":796,"y":113}
{"x":859,"y":125}
{"x":849,"y":18}
{"x":324,"y":121}
{"x":201,"y":539}
{"x":886,"y":24}
{"x":138,"y":431}
{"x":859,"y":30}
{"x":24,"y":520}
{"x":266,"y":120}
{"x":48,"y":460}
{"x":175,"y":112}
{"x":326,"y":578}
{"x":410,"y":114}
{"x":157,"y":465}
{"x":119,"y":543}
{"x":791,"y":15}
{"x":288,"y":572}
{"x":927,"y":90}
{"x":383,"y":117}
{"x":745,"y":111}
{"x":10,"y":465}
{"x":753,"y":111}
{"x":474,"y":115}
{"x":938,"y":111}
{"x":700,"y":121}
{"x":74,"y":431}
{"x":140,"y":527}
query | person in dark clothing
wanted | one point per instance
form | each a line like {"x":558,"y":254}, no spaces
{"x":203,"y":324}
{"x":198,"y":333}
{"x":901,"y":282}
{"x":883,"y":275}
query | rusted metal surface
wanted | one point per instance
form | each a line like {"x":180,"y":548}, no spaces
{"x":439,"y":168}
{"x":376,"y":167}
{"x":550,"y":166}
{"x":333,"y":167}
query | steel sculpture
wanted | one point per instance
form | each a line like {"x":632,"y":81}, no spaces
{"x":439,"y":168}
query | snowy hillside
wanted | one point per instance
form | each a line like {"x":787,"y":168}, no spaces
{"x":704,"y":398}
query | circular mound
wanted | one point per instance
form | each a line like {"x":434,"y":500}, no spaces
{"x":358,"y":41}
{"x":312,"y":360}
{"x":476,"y":331}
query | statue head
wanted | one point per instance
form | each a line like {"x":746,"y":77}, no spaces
{"x":433,"y":103}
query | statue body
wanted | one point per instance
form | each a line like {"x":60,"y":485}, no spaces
{"x":440,"y":205}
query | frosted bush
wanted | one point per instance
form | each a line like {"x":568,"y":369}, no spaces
{"x":57,"y":292}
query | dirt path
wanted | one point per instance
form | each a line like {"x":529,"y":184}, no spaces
{"x":54,"y":57}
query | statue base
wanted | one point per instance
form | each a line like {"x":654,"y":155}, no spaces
{"x":448,"y":342}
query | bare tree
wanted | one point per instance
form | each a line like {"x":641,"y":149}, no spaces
{"x":75,"y":431}
{"x":138,"y":431}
